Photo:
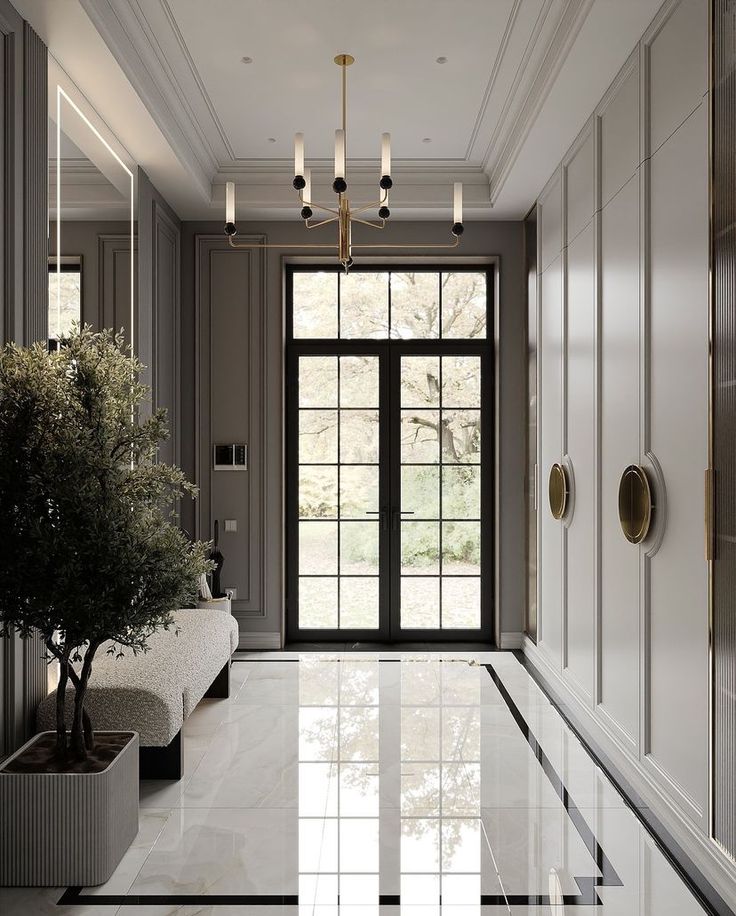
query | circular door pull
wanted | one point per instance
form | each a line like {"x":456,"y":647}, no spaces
{"x":635,"y":504}
{"x":559,"y":491}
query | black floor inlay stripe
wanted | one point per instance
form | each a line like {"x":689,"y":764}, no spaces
{"x":587,"y":896}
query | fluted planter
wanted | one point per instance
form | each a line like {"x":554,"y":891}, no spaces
{"x":67,"y":828}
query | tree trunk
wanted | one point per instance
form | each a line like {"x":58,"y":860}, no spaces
{"x":79,"y":748}
{"x":89,"y":735}
{"x":60,"y":717}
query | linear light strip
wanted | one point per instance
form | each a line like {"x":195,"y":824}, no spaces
{"x":59,"y":93}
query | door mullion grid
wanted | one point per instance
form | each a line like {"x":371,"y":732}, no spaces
{"x":439,"y":470}
{"x":339,"y":481}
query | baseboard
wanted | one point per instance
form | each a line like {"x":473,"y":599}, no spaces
{"x":512,"y":641}
{"x":695,"y":856}
{"x":250,"y":640}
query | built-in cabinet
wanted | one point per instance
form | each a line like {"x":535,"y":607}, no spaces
{"x":623,"y":330}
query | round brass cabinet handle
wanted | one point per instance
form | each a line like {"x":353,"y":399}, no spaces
{"x":559,"y":491}
{"x":635,"y":504}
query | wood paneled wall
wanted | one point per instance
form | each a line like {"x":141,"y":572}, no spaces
{"x":623,"y":361}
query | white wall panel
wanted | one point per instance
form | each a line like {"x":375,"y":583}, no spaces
{"x":550,"y":221}
{"x":580,"y":392}
{"x":678,"y":403}
{"x":550,"y":441}
{"x":619,"y":410}
{"x":619,"y":119}
{"x":678,"y":68}
{"x":579,"y":188}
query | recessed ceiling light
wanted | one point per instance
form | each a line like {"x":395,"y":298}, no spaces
{"x":441,"y":60}
{"x":247,"y":60}
{"x":427,"y":140}
{"x":271,"y":139}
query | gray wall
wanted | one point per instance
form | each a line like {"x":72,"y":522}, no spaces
{"x":158,"y":324}
{"x":232,"y":390}
{"x":23,"y":292}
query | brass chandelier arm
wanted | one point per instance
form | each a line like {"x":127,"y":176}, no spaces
{"x":234,"y":244}
{"x":365,"y":222}
{"x":309,"y":203}
{"x":372,"y":206}
{"x":437,"y":245}
{"x":322,"y":222}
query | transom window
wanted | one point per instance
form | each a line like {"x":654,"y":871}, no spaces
{"x":399,"y":305}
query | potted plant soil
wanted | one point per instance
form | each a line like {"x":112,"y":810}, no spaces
{"x":92,"y":561}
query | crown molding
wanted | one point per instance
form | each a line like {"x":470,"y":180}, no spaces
{"x":566,"y":30}
{"x":125,"y":30}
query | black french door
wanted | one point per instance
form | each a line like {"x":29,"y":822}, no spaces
{"x":389,"y":489}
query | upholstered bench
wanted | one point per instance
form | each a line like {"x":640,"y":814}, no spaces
{"x":154,"y":692}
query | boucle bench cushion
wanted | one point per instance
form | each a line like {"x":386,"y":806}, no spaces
{"x":154,"y":692}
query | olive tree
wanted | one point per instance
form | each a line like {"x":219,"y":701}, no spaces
{"x":90,"y":552}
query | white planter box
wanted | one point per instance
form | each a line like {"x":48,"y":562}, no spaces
{"x":216,"y":604}
{"x":67,"y":828}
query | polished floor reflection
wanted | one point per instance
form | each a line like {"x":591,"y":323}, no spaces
{"x":361,"y":784}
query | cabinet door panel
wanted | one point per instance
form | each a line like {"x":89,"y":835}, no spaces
{"x":550,"y":530}
{"x":619,"y":625}
{"x":678,"y":68}
{"x":551,"y":221}
{"x":580,"y":392}
{"x":579,"y":188}
{"x":620,"y":136}
{"x":678,"y":371}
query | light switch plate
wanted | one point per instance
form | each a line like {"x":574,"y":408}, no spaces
{"x":231,"y":591}
{"x":231,"y":525}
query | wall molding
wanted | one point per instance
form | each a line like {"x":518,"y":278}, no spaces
{"x":251,"y":605}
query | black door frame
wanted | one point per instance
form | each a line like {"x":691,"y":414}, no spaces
{"x":389,"y":352}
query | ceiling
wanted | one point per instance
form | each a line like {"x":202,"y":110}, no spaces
{"x":520,"y":79}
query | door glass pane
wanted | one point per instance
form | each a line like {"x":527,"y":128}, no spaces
{"x":420,"y":548}
{"x":464,"y":304}
{"x":415,"y":305}
{"x":420,"y":491}
{"x":419,"y":436}
{"x":359,"y":381}
{"x":317,"y":548}
{"x":338,"y":480}
{"x":358,"y":490}
{"x":317,"y":491}
{"x":420,"y":603}
{"x":440,"y":479}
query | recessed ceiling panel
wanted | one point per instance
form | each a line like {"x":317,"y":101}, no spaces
{"x":396,"y":83}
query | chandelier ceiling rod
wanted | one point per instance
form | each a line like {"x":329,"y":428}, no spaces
{"x":344,"y":215}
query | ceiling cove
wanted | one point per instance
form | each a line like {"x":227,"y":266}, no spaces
{"x":476,"y":109}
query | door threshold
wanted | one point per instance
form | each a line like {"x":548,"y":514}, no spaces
{"x":339,"y":646}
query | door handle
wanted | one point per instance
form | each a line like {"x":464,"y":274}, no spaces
{"x":396,"y":516}
{"x":382,"y":517}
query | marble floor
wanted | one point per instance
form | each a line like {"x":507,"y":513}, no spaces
{"x":365,"y":784}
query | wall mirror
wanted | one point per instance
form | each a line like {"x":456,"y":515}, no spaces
{"x":91,"y":219}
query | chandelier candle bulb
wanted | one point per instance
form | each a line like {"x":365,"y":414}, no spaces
{"x":457,"y":212}
{"x":298,"y":154}
{"x":307,"y":192}
{"x":339,"y":154}
{"x":230,"y":207}
{"x":385,"y":154}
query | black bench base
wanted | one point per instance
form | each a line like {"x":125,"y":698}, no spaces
{"x":168,"y":762}
{"x":162,"y":762}
{"x":219,"y":689}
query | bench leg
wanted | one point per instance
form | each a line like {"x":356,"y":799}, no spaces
{"x":163,"y":762}
{"x":219,"y":689}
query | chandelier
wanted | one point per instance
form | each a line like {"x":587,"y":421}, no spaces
{"x":344,"y":214}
